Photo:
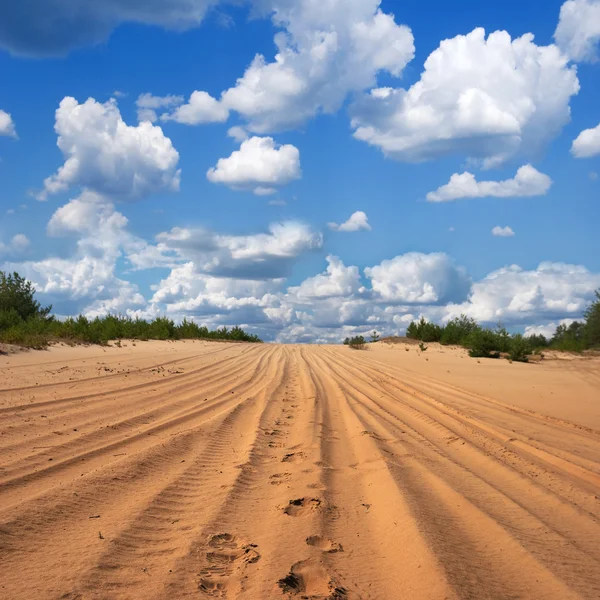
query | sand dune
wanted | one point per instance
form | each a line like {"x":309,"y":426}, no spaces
{"x":196,"y":470}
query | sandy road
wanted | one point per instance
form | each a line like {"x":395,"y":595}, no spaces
{"x":259,"y":471}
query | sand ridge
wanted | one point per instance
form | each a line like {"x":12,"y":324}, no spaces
{"x":197,"y":470}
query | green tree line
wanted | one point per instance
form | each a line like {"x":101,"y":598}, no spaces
{"x":23,"y":321}
{"x":491,"y":343}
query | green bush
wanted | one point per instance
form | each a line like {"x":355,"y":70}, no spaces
{"x":519,"y":348}
{"x":16,"y":293}
{"x":424,"y":331}
{"x":483,"y":343}
{"x":458,"y":330}
{"x":592,"y":323}
{"x":356,"y":343}
{"x":9,"y":318}
{"x":24,"y":322}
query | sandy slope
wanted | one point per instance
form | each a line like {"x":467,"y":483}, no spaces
{"x":176,"y":470}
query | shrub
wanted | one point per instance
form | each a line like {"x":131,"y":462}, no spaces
{"x":422,"y":347}
{"x":458,"y":330}
{"x":16,"y":293}
{"x":519,"y":348}
{"x":9,"y":318}
{"x":592,"y":323}
{"x":537,"y":341}
{"x":357,"y":343}
{"x":23,"y":321}
{"x":424,"y":331}
{"x":483,"y":343}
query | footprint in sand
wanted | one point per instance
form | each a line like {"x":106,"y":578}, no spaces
{"x":293,"y":457}
{"x":302,"y":506}
{"x":324,"y":544}
{"x":279,"y":478}
{"x":309,"y":579}
{"x":225,"y":555}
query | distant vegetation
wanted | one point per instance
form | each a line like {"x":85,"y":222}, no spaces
{"x":492,"y":343}
{"x":356,"y":343}
{"x":23,"y":321}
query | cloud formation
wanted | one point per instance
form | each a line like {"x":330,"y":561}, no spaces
{"x":578,"y":30}
{"x":489,"y":99}
{"x":357,"y":221}
{"x":516,"y":296}
{"x":324,"y":52}
{"x":502,"y":231}
{"x":224,"y":279}
{"x":147,"y":105}
{"x":109,"y":157}
{"x":259,"y":165}
{"x":201,"y":108}
{"x":258,"y":256}
{"x":53,"y":27}
{"x":587,"y":143}
{"x":416,"y":278}
{"x":527,"y":182}
{"x":17,"y":245}
{"x":7,"y":126}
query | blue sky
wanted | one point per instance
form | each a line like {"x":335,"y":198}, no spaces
{"x":396,"y":160}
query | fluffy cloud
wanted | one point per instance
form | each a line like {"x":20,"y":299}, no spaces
{"x":416,"y":278}
{"x":358,"y":221}
{"x":223,"y":279}
{"x":147,"y":105}
{"x":513,"y":295}
{"x":259,"y":165}
{"x":89,"y":214}
{"x":527,"y":182}
{"x":489,"y":99}
{"x":53,"y":27}
{"x":109,"y":157}
{"x":201,"y":108}
{"x":502,"y":231}
{"x":7,"y":126}
{"x":578,"y":31}
{"x":239,"y":134}
{"x":86,"y":281}
{"x":587,"y":143}
{"x":325,"y":50}
{"x":253,"y":257}
{"x":337,"y":281}
{"x":17,"y":245}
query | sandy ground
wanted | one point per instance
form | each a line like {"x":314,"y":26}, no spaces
{"x":192,"y":469}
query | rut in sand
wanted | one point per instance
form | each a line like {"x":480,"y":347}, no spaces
{"x":262,"y":471}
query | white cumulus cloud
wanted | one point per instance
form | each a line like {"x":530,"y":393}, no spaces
{"x":18,"y":244}
{"x":109,"y":157}
{"x":356,"y":222}
{"x":259,"y":165}
{"x":514,"y":295}
{"x":485,"y":98}
{"x":257,"y":256}
{"x":587,"y":143}
{"x":527,"y":182}
{"x":502,"y":231}
{"x":7,"y":126}
{"x":147,"y":105}
{"x":201,"y":108}
{"x":578,"y":30}
{"x":416,"y":278}
{"x":337,"y":281}
{"x":325,"y":50}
